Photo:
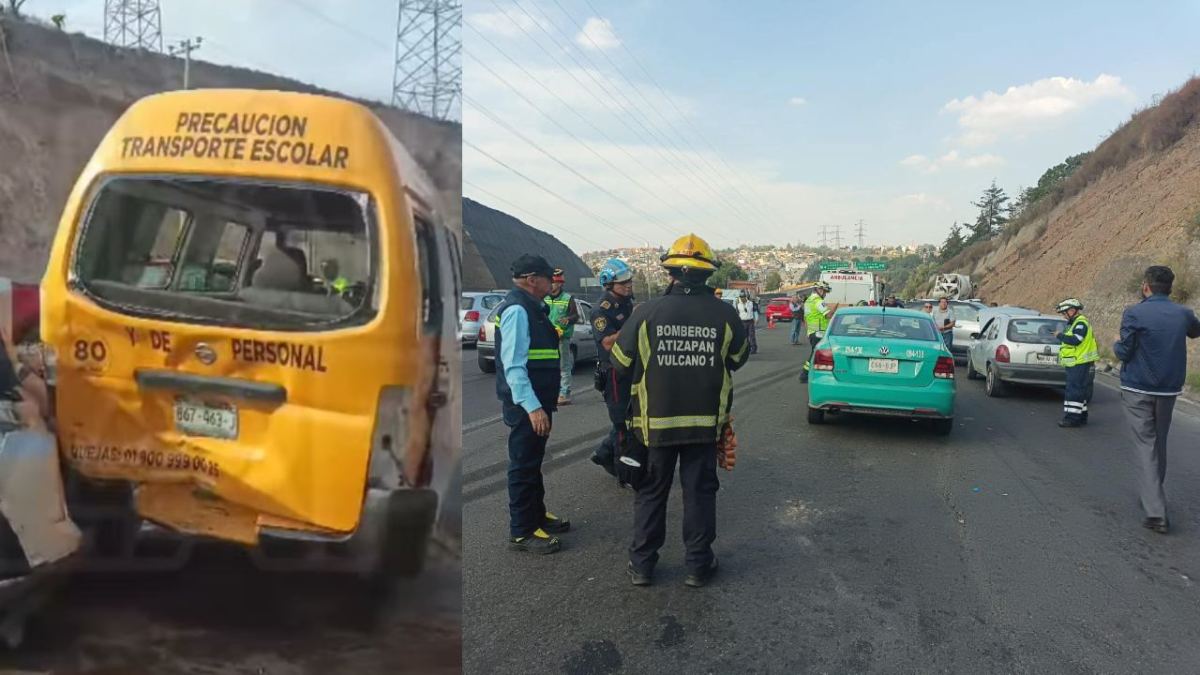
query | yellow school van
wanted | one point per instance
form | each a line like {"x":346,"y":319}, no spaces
{"x":251,"y":300}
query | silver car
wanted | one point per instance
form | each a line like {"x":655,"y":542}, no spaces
{"x":472,"y":309}
{"x":1016,"y":346}
{"x":966,"y":321}
{"x":583,"y":346}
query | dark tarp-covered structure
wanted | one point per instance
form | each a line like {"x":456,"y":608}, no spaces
{"x":494,"y":239}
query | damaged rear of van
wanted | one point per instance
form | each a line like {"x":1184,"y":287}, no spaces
{"x":247,"y":301}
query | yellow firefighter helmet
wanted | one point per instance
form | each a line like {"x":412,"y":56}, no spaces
{"x":691,"y":251}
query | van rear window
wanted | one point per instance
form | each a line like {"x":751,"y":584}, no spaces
{"x":249,"y":254}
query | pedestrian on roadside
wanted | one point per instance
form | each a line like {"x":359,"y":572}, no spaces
{"x":527,"y":379}
{"x":927,"y":308}
{"x":563,"y":314}
{"x":816,"y":319}
{"x":608,"y":318}
{"x":748,"y":315}
{"x":796,"y":307}
{"x":1153,"y":352}
{"x":679,"y":349}
{"x":1078,"y":354}
{"x":943,"y":318}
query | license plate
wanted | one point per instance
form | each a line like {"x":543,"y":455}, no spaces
{"x":1046,"y":358}
{"x":891,"y":366}
{"x":203,"y":419}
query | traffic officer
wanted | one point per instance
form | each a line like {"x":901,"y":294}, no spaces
{"x":1079,"y":354}
{"x":609,"y":316}
{"x":527,"y":377}
{"x":816,"y":319}
{"x":680,"y":349}
{"x":563,"y":314}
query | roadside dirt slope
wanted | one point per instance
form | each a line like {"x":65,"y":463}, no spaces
{"x":1096,"y":244}
{"x":59,"y":94}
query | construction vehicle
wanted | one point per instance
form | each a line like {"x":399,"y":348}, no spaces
{"x":950,"y":286}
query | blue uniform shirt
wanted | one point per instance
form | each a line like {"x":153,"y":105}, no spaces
{"x":514,"y":354}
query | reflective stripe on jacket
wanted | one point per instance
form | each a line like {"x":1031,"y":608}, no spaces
{"x":542,"y":363}
{"x":813,"y":316}
{"x":561,"y":307}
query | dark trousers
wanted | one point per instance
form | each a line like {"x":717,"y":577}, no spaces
{"x":616,"y":400}
{"x":1149,"y":419}
{"x":797,"y":326}
{"x":1081,"y":380}
{"x":526,"y":492}
{"x":751,"y":335}
{"x":698,"y":477}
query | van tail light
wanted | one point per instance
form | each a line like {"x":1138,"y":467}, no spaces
{"x":471,"y":315}
{"x":823,"y":359}
{"x":944,"y":368}
{"x":1002,"y":355}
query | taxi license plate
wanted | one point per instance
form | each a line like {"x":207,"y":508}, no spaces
{"x":891,"y":366}
{"x":1046,"y":358}
{"x":203,"y":419}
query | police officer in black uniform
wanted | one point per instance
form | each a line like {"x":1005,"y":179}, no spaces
{"x":609,"y":316}
{"x":527,"y":379}
{"x":680,"y":350}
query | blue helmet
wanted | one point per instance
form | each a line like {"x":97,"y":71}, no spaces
{"x":614,"y":270}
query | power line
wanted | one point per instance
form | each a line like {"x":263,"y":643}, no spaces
{"x":635,"y":114}
{"x":717,"y":185}
{"x":589,"y":181}
{"x":547,"y":190}
{"x":517,"y":207}
{"x":567,"y":105}
{"x":683,"y":116}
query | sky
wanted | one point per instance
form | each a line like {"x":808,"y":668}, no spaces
{"x":613,"y":123}
{"x":346,"y":46}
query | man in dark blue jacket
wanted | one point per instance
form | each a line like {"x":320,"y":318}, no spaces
{"x":1153,"y":353}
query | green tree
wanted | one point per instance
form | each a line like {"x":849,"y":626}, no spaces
{"x":773,"y":281}
{"x":728,"y":271}
{"x":992,"y":214}
{"x":954,"y":243}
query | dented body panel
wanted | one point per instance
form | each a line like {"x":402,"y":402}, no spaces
{"x":226,"y":427}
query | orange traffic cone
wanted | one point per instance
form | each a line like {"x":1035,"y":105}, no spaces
{"x":771,"y":321}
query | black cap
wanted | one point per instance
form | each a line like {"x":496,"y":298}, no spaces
{"x":532,"y":265}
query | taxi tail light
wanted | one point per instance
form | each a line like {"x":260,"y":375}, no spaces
{"x":1002,"y":355}
{"x":944,"y":368}
{"x":823,"y":359}
{"x":471,"y":315}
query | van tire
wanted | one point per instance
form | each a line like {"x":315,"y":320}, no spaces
{"x":486,"y":365}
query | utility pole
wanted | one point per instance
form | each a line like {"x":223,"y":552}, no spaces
{"x":824,"y":236}
{"x":860,"y":234}
{"x":185,"y":47}
{"x":837,"y":237}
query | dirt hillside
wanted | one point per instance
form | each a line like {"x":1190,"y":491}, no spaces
{"x":1095,"y":244}
{"x":59,"y":94}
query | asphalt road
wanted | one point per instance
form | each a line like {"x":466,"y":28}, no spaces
{"x":1011,"y":546}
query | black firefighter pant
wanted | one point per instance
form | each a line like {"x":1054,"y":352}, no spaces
{"x":616,"y":399}
{"x":1081,"y":380}
{"x":698,"y":478}
{"x":526,"y":492}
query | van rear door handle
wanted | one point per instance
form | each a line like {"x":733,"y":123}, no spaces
{"x":207,"y":384}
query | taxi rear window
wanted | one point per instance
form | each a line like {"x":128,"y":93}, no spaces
{"x":883,"y":326}
{"x":250,"y":254}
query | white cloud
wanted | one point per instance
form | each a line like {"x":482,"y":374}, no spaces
{"x":797,"y":101}
{"x":951,"y":159}
{"x":922,"y":199}
{"x":1025,"y":108}
{"x":505,"y":23}
{"x":597,"y":34}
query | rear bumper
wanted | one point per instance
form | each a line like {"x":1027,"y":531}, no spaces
{"x":485,"y":350}
{"x":935,"y":401}
{"x":1050,"y":376}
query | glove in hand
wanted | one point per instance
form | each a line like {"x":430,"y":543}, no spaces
{"x":727,"y":447}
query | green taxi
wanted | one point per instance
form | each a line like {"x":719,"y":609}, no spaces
{"x":884,"y":362}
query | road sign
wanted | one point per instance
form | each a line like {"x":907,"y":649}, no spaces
{"x":827,"y":265}
{"x":868,"y":265}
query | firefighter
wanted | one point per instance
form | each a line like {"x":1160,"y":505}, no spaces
{"x":1078,"y":354}
{"x":679,"y":349}
{"x":610,"y":315}
{"x":527,"y":377}
{"x":816,"y":318}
